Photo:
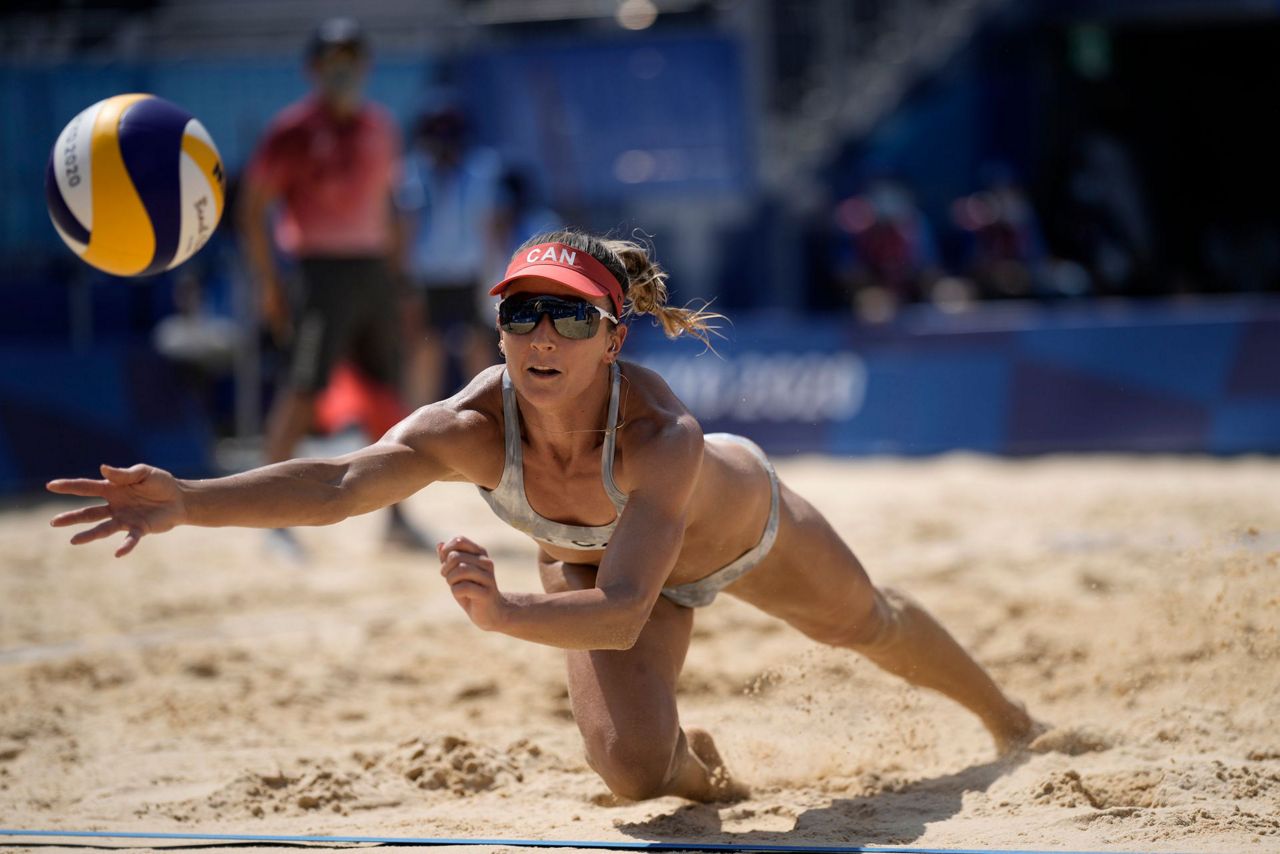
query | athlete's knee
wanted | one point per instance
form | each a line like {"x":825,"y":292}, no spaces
{"x":863,"y":621}
{"x":877,"y":626}
{"x":635,"y":771}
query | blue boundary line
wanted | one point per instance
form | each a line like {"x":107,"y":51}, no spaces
{"x":532,"y":843}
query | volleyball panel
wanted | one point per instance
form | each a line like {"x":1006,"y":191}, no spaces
{"x":199,"y":145}
{"x":202,"y":191}
{"x":121,"y":241}
{"x":75,"y":235}
{"x":150,"y":134}
{"x":68,"y":180}
{"x":197,"y":209}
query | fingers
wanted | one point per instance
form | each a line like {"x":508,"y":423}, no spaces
{"x":81,"y":486}
{"x":124,"y":477}
{"x":97,"y":532}
{"x":88,"y":488}
{"x":130,"y":541}
{"x":454,"y":559}
{"x":460,"y":544}
{"x":469,"y":574}
{"x":96,"y":513}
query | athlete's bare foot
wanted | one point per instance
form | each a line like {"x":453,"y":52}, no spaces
{"x":1071,"y":740}
{"x":724,"y":788}
{"x":1016,"y":731}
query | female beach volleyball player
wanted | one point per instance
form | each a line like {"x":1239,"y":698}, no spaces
{"x":639,"y":518}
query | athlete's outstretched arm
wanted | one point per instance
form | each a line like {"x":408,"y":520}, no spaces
{"x":143,"y":499}
{"x":636,"y":562}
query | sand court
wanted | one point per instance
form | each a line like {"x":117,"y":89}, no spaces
{"x":201,"y":685}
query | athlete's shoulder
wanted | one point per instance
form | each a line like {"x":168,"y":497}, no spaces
{"x":657,"y":401}
{"x":657,"y":424}
{"x":462,"y":430}
{"x":476,"y":406}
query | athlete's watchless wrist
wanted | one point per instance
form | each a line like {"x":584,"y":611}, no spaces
{"x":505,"y":607}
{"x":188,"y":490}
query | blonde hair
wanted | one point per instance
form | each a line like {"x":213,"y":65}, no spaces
{"x":644,"y":282}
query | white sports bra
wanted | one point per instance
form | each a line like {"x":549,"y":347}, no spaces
{"x":508,"y":499}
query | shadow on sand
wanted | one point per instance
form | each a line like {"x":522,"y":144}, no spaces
{"x":888,"y":817}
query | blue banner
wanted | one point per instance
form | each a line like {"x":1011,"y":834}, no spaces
{"x":1198,"y":376}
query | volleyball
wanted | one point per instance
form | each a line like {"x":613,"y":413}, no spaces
{"x":134,"y":185}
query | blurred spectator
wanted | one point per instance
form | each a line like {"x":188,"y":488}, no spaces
{"x":885,"y":253}
{"x":1004,"y":246}
{"x":1004,"y":253}
{"x":447,"y":199}
{"x":1110,"y":232}
{"x":328,"y":165}
{"x":1243,"y":257}
{"x":518,"y":214}
{"x":194,"y":336}
{"x":201,"y":342}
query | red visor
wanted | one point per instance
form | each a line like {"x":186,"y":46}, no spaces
{"x":565,"y":265}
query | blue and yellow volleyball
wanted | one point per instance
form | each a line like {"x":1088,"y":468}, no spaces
{"x":134,"y":185}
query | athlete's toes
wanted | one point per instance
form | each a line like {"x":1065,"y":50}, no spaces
{"x":725,"y":788}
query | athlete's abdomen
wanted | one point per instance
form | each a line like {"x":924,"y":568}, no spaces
{"x":728,"y":512}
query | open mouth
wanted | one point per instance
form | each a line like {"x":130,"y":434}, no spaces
{"x":543,"y":372}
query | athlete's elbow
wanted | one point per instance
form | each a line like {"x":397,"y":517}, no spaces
{"x":335,"y":505}
{"x":633,"y":616}
{"x":618,"y":641}
{"x":346,"y":495}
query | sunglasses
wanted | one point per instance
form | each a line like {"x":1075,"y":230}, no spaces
{"x":572,"y":317}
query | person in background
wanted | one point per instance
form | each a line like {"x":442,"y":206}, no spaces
{"x":885,"y":250}
{"x":1110,"y":230}
{"x":447,"y":201}
{"x":327,"y":166}
{"x":518,"y":214}
{"x":1005,"y":254}
{"x":1004,"y":247}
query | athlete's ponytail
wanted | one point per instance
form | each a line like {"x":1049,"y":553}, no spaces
{"x":644,"y":282}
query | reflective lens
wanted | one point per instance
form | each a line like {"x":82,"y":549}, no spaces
{"x":572,"y":318}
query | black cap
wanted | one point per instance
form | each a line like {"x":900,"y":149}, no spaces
{"x":337,"y":33}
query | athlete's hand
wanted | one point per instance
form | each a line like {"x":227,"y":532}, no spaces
{"x":469,"y":571}
{"x":140,"y":500}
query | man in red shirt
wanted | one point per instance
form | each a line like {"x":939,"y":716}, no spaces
{"x":328,"y":164}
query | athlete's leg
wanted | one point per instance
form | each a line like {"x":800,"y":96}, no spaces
{"x":288,"y":421}
{"x":625,"y":707}
{"x":812,"y":580}
{"x":425,"y":377}
{"x":424,"y":351}
{"x":376,"y":348}
{"x":322,"y":330}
